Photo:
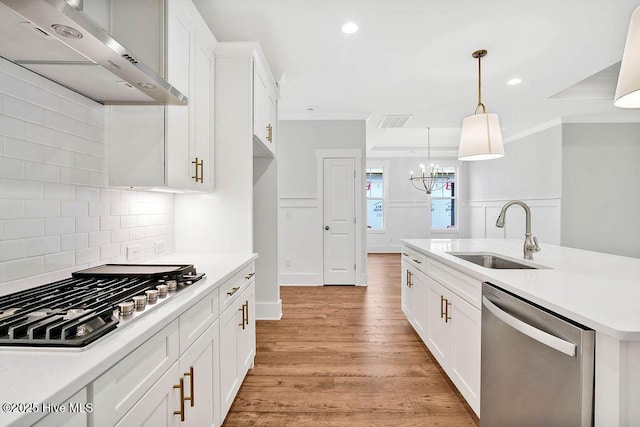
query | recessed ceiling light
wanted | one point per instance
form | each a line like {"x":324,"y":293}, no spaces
{"x":349,"y":28}
{"x":514,"y":81}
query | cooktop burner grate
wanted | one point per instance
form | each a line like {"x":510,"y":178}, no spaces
{"x":77,"y":311}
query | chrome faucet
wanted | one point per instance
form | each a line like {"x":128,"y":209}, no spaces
{"x":530,"y":241}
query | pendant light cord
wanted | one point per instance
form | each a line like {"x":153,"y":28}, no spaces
{"x":479,"y":54}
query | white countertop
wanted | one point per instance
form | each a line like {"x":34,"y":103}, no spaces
{"x":38,"y":375}
{"x":599,"y":290}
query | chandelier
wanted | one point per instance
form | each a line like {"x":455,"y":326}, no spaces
{"x":433,"y":180}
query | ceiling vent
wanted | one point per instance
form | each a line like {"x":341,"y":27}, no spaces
{"x":388,"y":122}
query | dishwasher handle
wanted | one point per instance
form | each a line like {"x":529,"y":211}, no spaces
{"x":543,"y":337}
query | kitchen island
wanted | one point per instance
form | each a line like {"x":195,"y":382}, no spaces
{"x":74,"y":386}
{"x":600,"y":291}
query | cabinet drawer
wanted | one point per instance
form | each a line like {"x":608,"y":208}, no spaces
{"x":197,"y":319}
{"x":118,"y":389}
{"x":466,"y":287}
{"x":415,"y":258}
{"x":229,"y":290}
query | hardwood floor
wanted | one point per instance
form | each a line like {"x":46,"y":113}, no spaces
{"x":346,"y":356}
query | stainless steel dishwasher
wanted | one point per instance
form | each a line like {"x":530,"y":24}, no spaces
{"x":537,"y":367}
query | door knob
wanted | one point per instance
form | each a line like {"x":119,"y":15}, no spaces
{"x":326,"y":227}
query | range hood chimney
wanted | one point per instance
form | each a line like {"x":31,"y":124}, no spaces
{"x":55,"y":39}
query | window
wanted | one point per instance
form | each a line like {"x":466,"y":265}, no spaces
{"x":375,"y":191}
{"x":443,"y":201}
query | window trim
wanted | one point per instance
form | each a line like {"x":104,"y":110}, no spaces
{"x":457,"y":198}
{"x":385,"y":193}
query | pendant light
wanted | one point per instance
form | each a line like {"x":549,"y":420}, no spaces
{"x":628,"y":89}
{"x":481,"y":137}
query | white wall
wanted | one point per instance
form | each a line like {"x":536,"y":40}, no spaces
{"x":300,"y":212}
{"x":601,"y":174}
{"x":407,"y":211}
{"x":531,"y":171}
{"x":56,"y":214}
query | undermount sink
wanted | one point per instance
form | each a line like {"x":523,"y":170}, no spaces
{"x":489,"y":260}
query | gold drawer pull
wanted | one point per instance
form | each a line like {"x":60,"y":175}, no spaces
{"x":181,"y":411}
{"x":233,"y":291}
{"x":243,"y":315}
{"x":417,"y":261}
{"x":446,"y":312}
{"x":249,"y":276}
{"x":191,"y":386}
{"x":270,"y":133}
{"x":442,"y":300}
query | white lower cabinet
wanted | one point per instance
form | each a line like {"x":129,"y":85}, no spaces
{"x":237,"y":333}
{"x":448,"y":323}
{"x":75,"y":415}
{"x":188,"y":373}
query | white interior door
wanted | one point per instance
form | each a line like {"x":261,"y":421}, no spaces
{"x":339,"y":221}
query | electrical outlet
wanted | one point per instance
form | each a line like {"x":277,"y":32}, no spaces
{"x":158,"y":246}
{"x":287,"y":215}
{"x":287,"y":262}
{"x":134,"y":252}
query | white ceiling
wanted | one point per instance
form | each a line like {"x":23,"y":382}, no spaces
{"x":414,"y":57}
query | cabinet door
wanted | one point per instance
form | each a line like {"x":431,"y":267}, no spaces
{"x":179,"y":135}
{"x":246,"y":334}
{"x":75,"y":417}
{"x":420,"y":303}
{"x":465,"y":360}
{"x":229,"y":375}
{"x":439,"y":337}
{"x":200,"y":368}
{"x":156,"y":408}
{"x":203,"y":107}
{"x":259,"y":104}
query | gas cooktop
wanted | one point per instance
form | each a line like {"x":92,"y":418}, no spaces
{"x":93,"y":302}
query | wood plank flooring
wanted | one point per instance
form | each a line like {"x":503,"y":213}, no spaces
{"x":346,"y":356}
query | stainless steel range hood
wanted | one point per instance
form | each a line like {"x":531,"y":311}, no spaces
{"x":59,"y":42}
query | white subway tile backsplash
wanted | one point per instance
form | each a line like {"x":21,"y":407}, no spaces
{"x":19,"y":109}
{"x":99,"y":208}
{"x":121,"y":235}
{"x":12,"y":249}
{"x":16,"y":189}
{"x":12,"y":127}
{"x":109,"y":222}
{"x":59,"y":261}
{"x":57,"y":213}
{"x":22,"y":228}
{"x":87,"y":224}
{"x":41,"y":172}
{"x":59,"y":226}
{"x":43,"y":98}
{"x":11,"y":168}
{"x":12,"y":209}
{"x":99,"y":238}
{"x":42,"y":208}
{"x":86,"y":256}
{"x":11,"y":85}
{"x":87,"y":193}
{"x":42,"y":134}
{"x":18,"y":149}
{"x":42,"y":246}
{"x":56,"y":156}
{"x":70,"y":242}
{"x":73,"y":176}
{"x":75,"y":208}
{"x":59,"y":191}
{"x":109,"y":251}
{"x":23,"y":268}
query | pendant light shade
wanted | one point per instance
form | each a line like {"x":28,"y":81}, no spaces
{"x":628,"y":89}
{"x":481,"y":137}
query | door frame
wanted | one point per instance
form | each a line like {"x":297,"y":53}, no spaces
{"x":356,"y":155}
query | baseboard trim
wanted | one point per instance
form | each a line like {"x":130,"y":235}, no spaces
{"x":269,"y":310}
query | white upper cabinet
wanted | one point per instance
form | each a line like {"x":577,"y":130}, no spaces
{"x":166,"y":146}
{"x":264,"y":110}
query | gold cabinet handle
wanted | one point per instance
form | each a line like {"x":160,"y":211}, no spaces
{"x":446,"y":312}
{"x":249,"y":276}
{"x":405,"y":254}
{"x":246,"y":303}
{"x":191,"y":386}
{"x":199,"y":166}
{"x":417,"y":261}
{"x":410,"y":279}
{"x":181,"y":411}
{"x":442,"y":300}
{"x":233,"y":291}
{"x":242,"y":310}
{"x":269,"y":133}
